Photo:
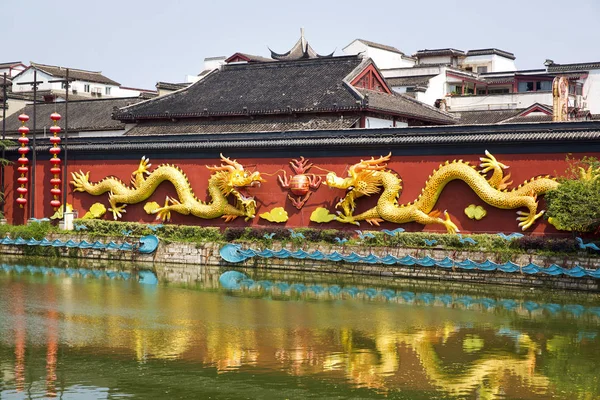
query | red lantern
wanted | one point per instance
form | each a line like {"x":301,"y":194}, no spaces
{"x":23,"y":161}
{"x":55,"y":161}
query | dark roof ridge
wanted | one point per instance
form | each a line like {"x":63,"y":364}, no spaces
{"x":285,"y":63}
{"x":380,"y":46}
{"x":491,"y":50}
{"x":63,"y":68}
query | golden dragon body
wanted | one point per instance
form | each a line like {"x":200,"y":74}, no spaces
{"x":228,"y":179}
{"x":369,"y":177}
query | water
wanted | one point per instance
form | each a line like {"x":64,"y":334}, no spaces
{"x":292,"y":336}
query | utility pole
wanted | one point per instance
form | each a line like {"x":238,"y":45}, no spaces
{"x":4,"y":85}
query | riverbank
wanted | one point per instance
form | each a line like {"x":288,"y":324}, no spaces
{"x":184,"y":262}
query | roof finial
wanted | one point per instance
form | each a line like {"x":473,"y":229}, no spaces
{"x":302,"y":39}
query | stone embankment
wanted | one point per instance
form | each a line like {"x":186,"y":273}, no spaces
{"x":184,"y":262}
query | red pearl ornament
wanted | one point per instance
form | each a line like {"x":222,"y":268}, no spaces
{"x":23,"y":130}
{"x":23,"y":140}
{"x":21,"y":201}
{"x":55,"y":161}
{"x":22,"y":180}
{"x":23,"y":117}
{"x":22,"y":190}
{"x":23,"y":161}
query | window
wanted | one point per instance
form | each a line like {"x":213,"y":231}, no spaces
{"x":107,"y":90}
{"x":546,"y":85}
{"x":525,"y":87}
{"x":86,"y":88}
{"x":482,"y":70}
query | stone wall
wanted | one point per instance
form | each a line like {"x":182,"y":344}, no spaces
{"x":184,"y":262}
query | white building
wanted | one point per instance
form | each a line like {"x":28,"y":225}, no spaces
{"x":84,"y":84}
{"x":12,"y":68}
{"x":481,"y":79}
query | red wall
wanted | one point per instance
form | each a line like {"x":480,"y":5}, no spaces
{"x":414,"y":170}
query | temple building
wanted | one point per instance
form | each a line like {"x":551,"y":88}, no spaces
{"x":296,"y":90}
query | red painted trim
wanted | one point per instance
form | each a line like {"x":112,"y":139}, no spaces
{"x":237,"y":57}
{"x":373,"y":76}
{"x":464,"y":78}
{"x":534,"y":108}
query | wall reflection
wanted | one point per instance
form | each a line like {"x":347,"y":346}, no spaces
{"x":385,"y":346}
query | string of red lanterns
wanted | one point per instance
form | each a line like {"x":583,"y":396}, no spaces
{"x":55,"y":161}
{"x":23,"y":168}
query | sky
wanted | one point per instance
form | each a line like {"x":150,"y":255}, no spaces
{"x":139,"y":43}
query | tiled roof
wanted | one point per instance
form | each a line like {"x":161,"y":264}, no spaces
{"x":250,"y":57}
{"x":242,"y":125}
{"x":528,"y":119}
{"x":77,"y":74}
{"x":285,"y":87}
{"x":380,"y":46}
{"x":405,"y":106}
{"x":486,"y":116}
{"x":574,"y":67}
{"x":259,"y":89}
{"x":482,"y":52}
{"x":171,"y":86}
{"x":438,"y":52}
{"x":557,"y":133}
{"x":419,"y":80}
{"x":10,"y":64}
{"x":85,"y":115}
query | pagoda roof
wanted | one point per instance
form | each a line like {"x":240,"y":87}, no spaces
{"x":301,"y":51}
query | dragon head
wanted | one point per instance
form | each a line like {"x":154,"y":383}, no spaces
{"x":363,"y":180}
{"x":232,"y":179}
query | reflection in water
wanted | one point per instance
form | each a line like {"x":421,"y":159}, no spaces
{"x":281,"y":339}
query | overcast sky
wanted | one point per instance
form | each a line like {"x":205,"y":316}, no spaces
{"x":138,"y":43}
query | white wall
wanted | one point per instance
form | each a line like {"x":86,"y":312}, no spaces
{"x":494,"y":62}
{"x":591,"y":91}
{"x":371,"y":122}
{"x":96,"y":90}
{"x":384,"y":59}
{"x":435,"y":90}
{"x":436,"y":60}
{"x":500,"y":101}
{"x":503,"y":64}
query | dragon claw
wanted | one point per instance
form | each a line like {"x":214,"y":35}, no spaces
{"x":450,"y":226}
{"x":117,"y":211}
{"x":527,"y":218}
{"x":346,"y":219}
{"x":374,"y":221}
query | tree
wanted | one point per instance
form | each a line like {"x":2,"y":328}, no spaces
{"x":575,"y":204}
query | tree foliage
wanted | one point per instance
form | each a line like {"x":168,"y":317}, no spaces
{"x":575,"y":204}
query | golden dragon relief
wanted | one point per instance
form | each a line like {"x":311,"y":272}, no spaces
{"x":229,"y":178}
{"x":368,"y":177}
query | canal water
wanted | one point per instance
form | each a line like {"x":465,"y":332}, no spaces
{"x":258,"y":335}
